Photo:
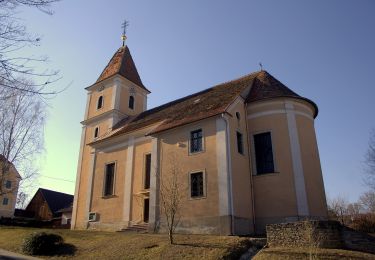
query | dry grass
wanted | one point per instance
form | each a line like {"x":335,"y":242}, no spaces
{"x":109,"y":245}
{"x":303,"y":253}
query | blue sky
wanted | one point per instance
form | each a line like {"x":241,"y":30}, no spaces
{"x":323,"y":50}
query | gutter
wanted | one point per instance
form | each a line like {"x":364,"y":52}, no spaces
{"x":229,"y":172}
{"x":251,"y":170}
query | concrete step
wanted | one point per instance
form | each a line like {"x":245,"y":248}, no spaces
{"x":139,"y":228}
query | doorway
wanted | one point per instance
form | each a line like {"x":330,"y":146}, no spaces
{"x":146,"y":209}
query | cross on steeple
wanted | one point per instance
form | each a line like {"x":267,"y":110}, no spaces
{"x":124,"y":26}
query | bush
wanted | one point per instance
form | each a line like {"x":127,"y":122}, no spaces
{"x":364,"y":223}
{"x":41,"y":243}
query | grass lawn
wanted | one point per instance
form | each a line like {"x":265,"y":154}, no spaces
{"x":303,"y":253}
{"x":112,"y":245}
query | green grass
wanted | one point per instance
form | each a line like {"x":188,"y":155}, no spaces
{"x":307,"y":253}
{"x":110,"y":245}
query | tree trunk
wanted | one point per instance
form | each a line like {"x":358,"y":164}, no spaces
{"x":170,"y":235}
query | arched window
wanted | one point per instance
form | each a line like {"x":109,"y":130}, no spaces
{"x":96,"y":132}
{"x":100,"y":103}
{"x":131,"y":102}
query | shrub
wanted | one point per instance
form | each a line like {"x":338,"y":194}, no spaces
{"x":41,"y":243}
{"x":364,"y":223}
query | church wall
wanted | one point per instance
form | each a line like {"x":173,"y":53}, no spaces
{"x":107,"y":101}
{"x":109,"y":207}
{"x":241,"y":183}
{"x":140,"y":151}
{"x":197,"y":215}
{"x":127,"y":90}
{"x":311,"y":167}
{"x":274,"y":193}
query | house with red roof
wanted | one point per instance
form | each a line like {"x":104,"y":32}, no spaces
{"x":245,"y":154}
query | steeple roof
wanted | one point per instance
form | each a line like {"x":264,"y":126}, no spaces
{"x":122,"y":63}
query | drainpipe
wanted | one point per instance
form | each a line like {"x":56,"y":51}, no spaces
{"x":251,"y":170}
{"x":229,"y":171}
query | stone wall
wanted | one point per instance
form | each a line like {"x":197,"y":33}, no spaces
{"x":318,"y":234}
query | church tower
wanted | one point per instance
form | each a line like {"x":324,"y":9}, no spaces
{"x":117,"y":94}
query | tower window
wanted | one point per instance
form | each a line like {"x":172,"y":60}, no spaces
{"x":8,"y":184}
{"x":196,"y":144}
{"x":239,"y":143}
{"x":196,"y":185}
{"x":100,"y":102}
{"x":131,"y":102}
{"x":109,"y":179}
{"x":263,"y":153}
{"x":96,"y":132}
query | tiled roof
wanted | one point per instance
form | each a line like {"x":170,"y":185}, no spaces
{"x":204,"y":104}
{"x":265,"y":86}
{"x":122,"y":63}
{"x":56,"y":200}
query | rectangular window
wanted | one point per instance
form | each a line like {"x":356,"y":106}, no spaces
{"x":147,"y":171}
{"x":8,"y":184}
{"x":263,"y":153}
{"x":196,"y":185}
{"x":109,"y":179}
{"x":239,"y":143}
{"x":196,"y":144}
{"x":5,"y":201}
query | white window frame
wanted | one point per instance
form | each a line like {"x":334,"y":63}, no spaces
{"x":253,"y":155}
{"x":203,"y":171}
{"x":203,"y":141}
{"x":105,"y":180}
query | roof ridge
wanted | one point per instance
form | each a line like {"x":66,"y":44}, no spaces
{"x":56,"y":191}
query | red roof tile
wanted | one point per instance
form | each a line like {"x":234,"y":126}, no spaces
{"x":122,"y":63}
{"x":265,"y":86}
{"x":204,"y":104}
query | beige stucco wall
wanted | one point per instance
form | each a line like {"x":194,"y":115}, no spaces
{"x":174,"y":147}
{"x":109,"y":208}
{"x":275,"y":194}
{"x":311,"y":167}
{"x":107,"y":101}
{"x":139,"y":194}
{"x":241,"y":173}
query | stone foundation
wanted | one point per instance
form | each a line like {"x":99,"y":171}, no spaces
{"x":318,"y":234}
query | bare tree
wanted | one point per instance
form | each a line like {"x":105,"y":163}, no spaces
{"x":338,"y":208}
{"x":370,"y":162}
{"x":13,"y":38}
{"x":22,"y":119}
{"x":21,"y":200}
{"x":367,"y":200}
{"x":171,"y":196}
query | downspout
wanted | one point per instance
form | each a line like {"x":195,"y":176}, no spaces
{"x":229,"y":171}
{"x":251,"y":170}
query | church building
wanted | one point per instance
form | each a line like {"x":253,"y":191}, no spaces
{"x":244,"y":152}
